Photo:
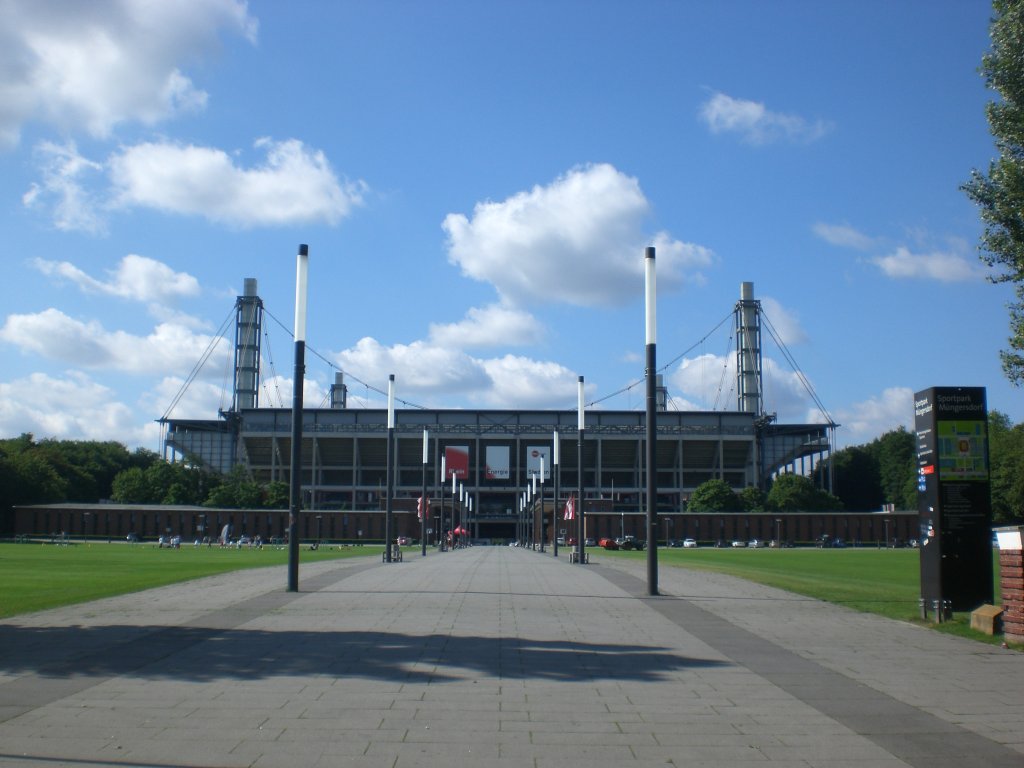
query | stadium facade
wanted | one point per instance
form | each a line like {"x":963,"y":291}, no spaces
{"x":495,"y":455}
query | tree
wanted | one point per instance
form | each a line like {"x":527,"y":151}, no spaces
{"x":1000,"y":194}
{"x":714,"y":496}
{"x":753,"y":499}
{"x":857,"y":480}
{"x":796,"y":493}
{"x":896,"y":452}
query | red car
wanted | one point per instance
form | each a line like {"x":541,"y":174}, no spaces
{"x":607,"y":544}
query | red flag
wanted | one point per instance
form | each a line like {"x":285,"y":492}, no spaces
{"x":570,"y":509}
{"x":419,"y":508}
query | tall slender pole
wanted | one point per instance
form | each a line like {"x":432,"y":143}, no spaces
{"x":424,"y":504}
{"x":554,"y":477}
{"x":652,"y":423}
{"x":542,"y":516}
{"x":295,"y":486}
{"x":388,"y":504}
{"x":455,"y":472}
{"x":440,"y":525}
{"x":580,"y":557}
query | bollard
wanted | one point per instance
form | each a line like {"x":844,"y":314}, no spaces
{"x":923,"y":605}
{"x":937,"y":607}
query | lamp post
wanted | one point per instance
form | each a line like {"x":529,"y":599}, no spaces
{"x":542,"y":536}
{"x":424,"y":506}
{"x":533,"y":511}
{"x":554,"y":477}
{"x":295,"y":485}
{"x":652,"y":423}
{"x":462,"y":513}
{"x":388,"y":521}
{"x":454,"y":488}
{"x":579,"y":480}
{"x":440,"y":525}
{"x":778,"y":533}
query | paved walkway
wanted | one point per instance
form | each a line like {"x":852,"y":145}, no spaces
{"x":496,"y":657}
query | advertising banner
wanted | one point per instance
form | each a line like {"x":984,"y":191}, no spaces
{"x":497,"y":467}
{"x":456,"y":460}
{"x":534,"y":453}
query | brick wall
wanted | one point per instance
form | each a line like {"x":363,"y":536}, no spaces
{"x":1011,"y":580}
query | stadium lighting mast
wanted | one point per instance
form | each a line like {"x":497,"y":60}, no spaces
{"x":652,"y":421}
{"x":295,"y":486}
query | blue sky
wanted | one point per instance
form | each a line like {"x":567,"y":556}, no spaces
{"x":477,"y":182}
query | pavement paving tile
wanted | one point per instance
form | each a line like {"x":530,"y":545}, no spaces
{"x":501,"y":658}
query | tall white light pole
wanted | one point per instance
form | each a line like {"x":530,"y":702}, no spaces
{"x":542,"y":517}
{"x":424,"y":505}
{"x":440,"y":525}
{"x":388,"y":504}
{"x":295,"y":486}
{"x":554,"y":477}
{"x":652,"y":422}
{"x":580,"y":558}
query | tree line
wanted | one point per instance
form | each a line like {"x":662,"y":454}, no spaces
{"x":866,"y":477}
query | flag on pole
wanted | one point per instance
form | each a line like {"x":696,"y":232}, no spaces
{"x":570,"y":509}
{"x":419,"y":508}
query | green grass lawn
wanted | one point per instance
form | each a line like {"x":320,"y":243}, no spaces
{"x":39,"y":576}
{"x":881,"y":581}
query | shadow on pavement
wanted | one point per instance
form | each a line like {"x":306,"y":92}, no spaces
{"x":202,"y":654}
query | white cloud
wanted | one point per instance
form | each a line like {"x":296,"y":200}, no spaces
{"x":708,"y":382}
{"x":578,"y":240}
{"x":756,"y":124}
{"x":944,"y":266}
{"x":785,"y":322}
{"x":844,"y":236}
{"x":74,"y":207}
{"x":137,"y":278}
{"x":73,"y":407}
{"x":519,"y":382}
{"x":427,"y":375}
{"x":490,"y":326}
{"x":94,"y":65}
{"x":55,"y":336}
{"x":864,"y":421}
{"x":294,"y":185}
{"x":420,"y":368}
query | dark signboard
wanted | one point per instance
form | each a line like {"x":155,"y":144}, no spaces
{"x":953,"y":497}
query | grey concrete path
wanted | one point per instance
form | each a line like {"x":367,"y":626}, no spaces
{"x":496,"y":657}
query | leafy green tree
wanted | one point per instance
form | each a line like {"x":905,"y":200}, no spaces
{"x":999,"y":194}
{"x":714,"y":496}
{"x":1006,"y":467}
{"x":753,"y":499}
{"x":897,"y":452}
{"x":795,"y":493}
{"x":237,"y":491}
{"x":857,"y":480}
{"x":276,"y":495}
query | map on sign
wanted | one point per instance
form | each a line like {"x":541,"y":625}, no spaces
{"x":963,"y":452}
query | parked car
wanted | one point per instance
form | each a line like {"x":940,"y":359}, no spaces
{"x":608,"y":543}
{"x":590,"y":542}
{"x":756,"y":544}
{"x":739,"y":544}
{"x":404,"y":541}
{"x":689,"y":543}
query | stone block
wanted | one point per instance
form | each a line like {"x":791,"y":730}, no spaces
{"x":986,"y":619}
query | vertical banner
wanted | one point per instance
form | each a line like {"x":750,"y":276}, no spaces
{"x":496,"y":460}
{"x":534,"y":453}
{"x":456,"y":458}
{"x":954,"y":497}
